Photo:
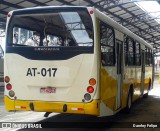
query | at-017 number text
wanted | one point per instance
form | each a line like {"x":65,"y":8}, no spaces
{"x":50,"y":72}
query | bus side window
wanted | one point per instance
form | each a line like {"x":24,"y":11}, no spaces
{"x":107,"y":45}
{"x":147,"y":56}
{"x":129,"y":50}
{"x":137,"y":54}
{"x":103,"y":61}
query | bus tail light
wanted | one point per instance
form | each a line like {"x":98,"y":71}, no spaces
{"x":90,"y":89}
{"x":92,"y":81}
{"x":9,"y":86}
{"x":11,"y":93}
{"x":87,"y":96}
{"x":7,"y":79}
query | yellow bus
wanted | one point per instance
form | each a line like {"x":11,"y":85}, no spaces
{"x":73,"y":59}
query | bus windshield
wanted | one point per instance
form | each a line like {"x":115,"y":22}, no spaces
{"x":57,"y":28}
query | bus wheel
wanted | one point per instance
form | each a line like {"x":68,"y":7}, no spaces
{"x":129,"y":102}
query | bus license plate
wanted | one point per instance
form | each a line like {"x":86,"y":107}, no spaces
{"x":48,"y":90}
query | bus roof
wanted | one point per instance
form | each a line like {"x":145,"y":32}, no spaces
{"x":46,"y":8}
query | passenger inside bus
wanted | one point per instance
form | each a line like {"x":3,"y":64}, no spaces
{"x":15,"y":38}
{"x":34,"y":40}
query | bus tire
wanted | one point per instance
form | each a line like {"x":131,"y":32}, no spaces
{"x":129,"y":102}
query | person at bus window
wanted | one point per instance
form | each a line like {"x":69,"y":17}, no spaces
{"x":34,"y":40}
{"x":66,"y":43}
{"x":46,"y":41}
{"x":59,"y":41}
{"x":15,"y":38}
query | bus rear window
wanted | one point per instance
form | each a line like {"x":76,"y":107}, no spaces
{"x":51,"y":29}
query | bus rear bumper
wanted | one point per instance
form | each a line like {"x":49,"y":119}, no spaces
{"x":91,"y":108}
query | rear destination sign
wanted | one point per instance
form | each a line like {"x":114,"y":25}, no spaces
{"x":49,"y":72}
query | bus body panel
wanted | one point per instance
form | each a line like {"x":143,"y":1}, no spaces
{"x":148,"y":78}
{"x":108,"y":86}
{"x":68,"y":82}
{"x":44,"y":106}
{"x":132,"y":74}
